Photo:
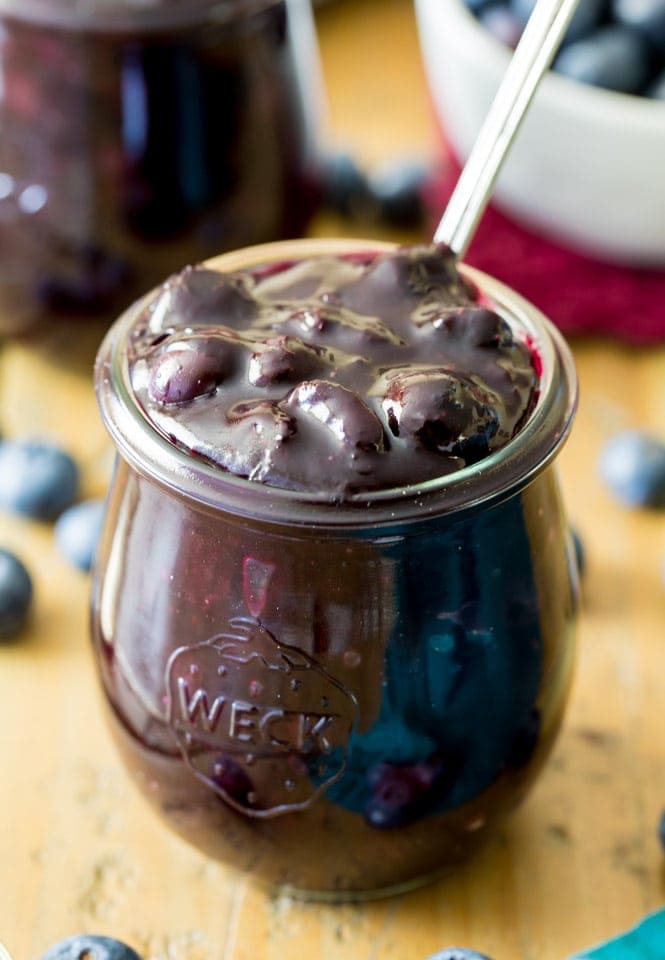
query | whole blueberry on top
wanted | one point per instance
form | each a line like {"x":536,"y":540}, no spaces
{"x":37,"y":478}
{"x":458,"y":953}
{"x":90,"y":947}
{"x":15,"y":595}
{"x":632,"y":464}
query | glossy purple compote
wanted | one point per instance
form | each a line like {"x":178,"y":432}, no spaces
{"x":333,"y":375}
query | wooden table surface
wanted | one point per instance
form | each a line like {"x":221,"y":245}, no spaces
{"x":79,"y":850}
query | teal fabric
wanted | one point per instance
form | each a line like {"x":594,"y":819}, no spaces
{"x":646,"y":941}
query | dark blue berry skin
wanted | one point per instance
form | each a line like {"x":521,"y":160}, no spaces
{"x":657,"y":88}
{"x":502,"y":23}
{"x":15,"y":595}
{"x":646,"y":16}
{"x":588,"y":16}
{"x":632,"y":464}
{"x":458,"y":953}
{"x":346,"y":188}
{"x":77,"y":532}
{"x":90,"y":947}
{"x":401,"y":793}
{"x":397,"y":190}
{"x":661,"y":829}
{"x":475,"y":6}
{"x":233,"y":781}
{"x":613,"y":57}
{"x":37,"y":479}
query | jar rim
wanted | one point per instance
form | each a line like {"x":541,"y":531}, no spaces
{"x":502,"y":473}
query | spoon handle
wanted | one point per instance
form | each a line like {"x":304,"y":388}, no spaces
{"x":534,"y":53}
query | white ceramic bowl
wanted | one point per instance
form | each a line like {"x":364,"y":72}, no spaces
{"x":588,"y":165}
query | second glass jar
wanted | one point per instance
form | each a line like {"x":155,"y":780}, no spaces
{"x":135,"y":138}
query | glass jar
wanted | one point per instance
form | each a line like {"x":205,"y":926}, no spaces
{"x":342,"y":699}
{"x":136,"y":137}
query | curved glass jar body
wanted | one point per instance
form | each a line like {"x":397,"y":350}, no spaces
{"x":139,"y":137}
{"x":378,"y":681}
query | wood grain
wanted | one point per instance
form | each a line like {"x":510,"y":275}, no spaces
{"x":79,"y":851}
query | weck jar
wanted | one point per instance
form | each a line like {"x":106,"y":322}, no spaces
{"x":341,"y":696}
{"x":137,"y":136}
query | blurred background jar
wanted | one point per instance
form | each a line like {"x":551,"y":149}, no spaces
{"x":140,"y":135}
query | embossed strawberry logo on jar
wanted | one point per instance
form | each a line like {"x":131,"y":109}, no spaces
{"x":259,"y":721}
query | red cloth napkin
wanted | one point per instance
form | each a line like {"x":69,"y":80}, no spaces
{"x":579,"y":294}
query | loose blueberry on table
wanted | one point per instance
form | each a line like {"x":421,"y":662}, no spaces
{"x":458,"y":953}
{"x":37,"y":478}
{"x":90,"y":947}
{"x":15,"y":595}
{"x":632,"y":465}
{"x":346,"y":188}
{"x":398,"y":190}
{"x":77,"y":532}
{"x":391,"y":195}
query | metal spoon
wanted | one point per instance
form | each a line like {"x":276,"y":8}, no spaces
{"x":534,"y":53}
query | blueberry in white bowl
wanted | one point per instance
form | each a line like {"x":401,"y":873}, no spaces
{"x":502,"y":22}
{"x":657,"y":88}
{"x":645,"y":16}
{"x":589,"y":15}
{"x":615,"y":44}
{"x":585,"y":170}
{"x":613,"y":57}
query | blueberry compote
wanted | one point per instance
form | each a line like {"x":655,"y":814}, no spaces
{"x":334,"y":596}
{"x":333,"y":375}
{"x":137,"y":137}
